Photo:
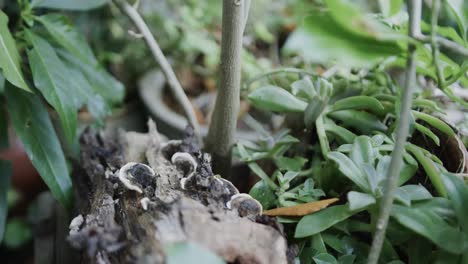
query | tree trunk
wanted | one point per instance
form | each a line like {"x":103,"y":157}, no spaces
{"x":127,"y":214}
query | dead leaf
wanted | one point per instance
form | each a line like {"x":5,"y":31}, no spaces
{"x":302,"y":209}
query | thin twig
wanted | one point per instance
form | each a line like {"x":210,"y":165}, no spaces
{"x":445,"y":43}
{"x":414,"y":7}
{"x":166,"y":68}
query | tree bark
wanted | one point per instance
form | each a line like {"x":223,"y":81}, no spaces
{"x":122,"y":225}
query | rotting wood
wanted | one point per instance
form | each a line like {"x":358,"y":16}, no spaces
{"x":118,"y":229}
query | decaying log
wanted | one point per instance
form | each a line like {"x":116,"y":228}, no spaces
{"x":130,"y":213}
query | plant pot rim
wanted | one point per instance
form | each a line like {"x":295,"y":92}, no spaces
{"x":151,"y":88}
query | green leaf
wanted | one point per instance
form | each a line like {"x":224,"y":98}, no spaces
{"x":342,"y":34}
{"x":361,"y":102}
{"x":426,"y":131}
{"x":342,"y":133}
{"x":363,"y":152}
{"x":358,"y":201}
{"x":313,"y":110}
{"x":9,"y":56}
{"x":291,"y":164}
{"x":274,"y":98}
{"x":3,"y":128}
{"x":403,"y":197}
{"x":80,"y":5}
{"x":325,"y":258}
{"x":349,"y":169}
{"x":34,"y":128}
{"x":101,"y":81}
{"x":5,"y":174}
{"x":363,"y":121}
{"x":390,"y":7}
{"x":416,"y":192}
{"x":55,"y":82}
{"x":315,"y":223}
{"x":458,"y":10}
{"x":68,"y":37}
{"x":435,"y":122}
{"x":303,"y":88}
{"x":458,"y":192}
{"x":264,"y":194}
{"x":2,"y":83}
{"x":431,"y":226}
{"x":188,"y":252}
{"x":17,"y":233}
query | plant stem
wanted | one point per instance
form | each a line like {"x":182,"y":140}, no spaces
{"x":224,"y":120}
{"x":174,"y":84}
{"x":443,"y":42}
{"x":434,"y":45}
{"x":414,"y":7}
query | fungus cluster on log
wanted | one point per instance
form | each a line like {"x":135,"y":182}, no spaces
{"x":138,"y":195}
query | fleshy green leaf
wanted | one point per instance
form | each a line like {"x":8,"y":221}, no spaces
{"x":315,"y":223}
{"x":416,"y":192}
{"x":55,"y":82}
{"x":363,"y":151}
{"x":349,"y":169}
{"x":365,"y":122}
{"x":458,"y":192}
{"x":431,"y":226}
{"x":187,"y":252}
{"x":358,"y":201}
{"x":435,"y":122}
{"x":78,"y":5}
{"x":5,"y":173}
{"x":276,"y":99}
{"x":291,"y":164}
{"x":426,"y":131}
{"x":342,"y":133}
{"x":3,"y":128}
{"x":325,"y":258}
{"x":9,"y":56}
{"x":34,"y":128}
{"x":68,"y":37}
{"x":264,"y":194}
{"x":361,"y":102}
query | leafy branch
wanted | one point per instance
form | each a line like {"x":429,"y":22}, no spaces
{"x":396,"y":162}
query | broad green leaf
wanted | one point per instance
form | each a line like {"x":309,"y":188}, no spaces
{"x":363,"y":152}
{"x":402,"y":196}
{"x":431,"y":226}
{"x":68,"y":37}
{"x":9,"y":56}
{"x":17,"y":233}
{"x":264,"y":194}
{"x":315,"y":223}
{"x":274,"y":98}
{"x":363,"y":121}
{"x":349,"y":169}
{"x":318,"y":244}
{"x":325,"y":258}
{"x":458,"y":192}
{"x":34,"y":128}
{"x":416,"y":192}
{"x":443,"y":207}
{"x":101,"y":81}
{"x":55,"y":82}
{"x":291,"y":164}
{"x":78,"y":5}
{"x":334,"y":35}
{"x":3,"y":128}
{"x":347,"y":259}
{"x":5,"y":173}
{"x":358,"y":201}
{"x":2,"y":83}
{"x":188,"y":252}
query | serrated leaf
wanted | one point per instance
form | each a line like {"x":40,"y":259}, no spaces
{"x":68,"y":37}
{"x":358,"y":201}
{"x":431,"y":226}
{"x":34,"y":128}
{"x":458,"y":192}
{"x":349,"y":169}
{"x":55,"y":82}
{"x":5,"y":174}
{"x":9,"y":56}
{"x":315,"y":223}
{"x":274,"y":98}
{"x":78,"y":5}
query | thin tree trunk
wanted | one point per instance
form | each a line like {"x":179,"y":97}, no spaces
{"x":224,"y":120}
